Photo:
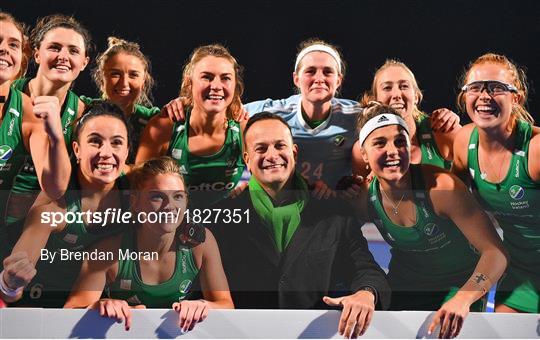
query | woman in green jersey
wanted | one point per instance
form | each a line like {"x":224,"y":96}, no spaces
{"x":123,"y":76}
{"x":163,"y":279}
{"x":56,"y":229}
{"x":61,"y":46}
{"x":27,"y":127}
{"x":428,"y":217}
{"x":208,"y":144}
{"x":432,"y":137}
{"x":495,"y":155}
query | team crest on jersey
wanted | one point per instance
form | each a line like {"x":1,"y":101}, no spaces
{"x":5,"y":152}
{"x":339,"y":140}
{"x":184,"y":286}
{"x":516,"y":192}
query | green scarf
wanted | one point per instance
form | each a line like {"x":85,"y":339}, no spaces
{"x":282,"y":220}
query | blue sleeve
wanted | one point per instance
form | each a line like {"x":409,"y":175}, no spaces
{"x":257,"y":106}
{"x":270,"y":105}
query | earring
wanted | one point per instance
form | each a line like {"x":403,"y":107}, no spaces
{"x":78,"y":160}
{"x":367,"y":166}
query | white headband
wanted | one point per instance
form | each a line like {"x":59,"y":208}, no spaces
{"x":379,"y":121}
{"x":319,"y":48}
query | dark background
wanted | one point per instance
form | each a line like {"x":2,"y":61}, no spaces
{"x":436,"y":39}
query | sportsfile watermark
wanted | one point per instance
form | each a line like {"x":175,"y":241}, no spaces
{"x":116,"y":215}
{"x":110,"y":216}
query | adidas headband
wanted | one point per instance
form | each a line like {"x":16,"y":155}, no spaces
{"x":384,"y":119}
{"x":318,"y":48}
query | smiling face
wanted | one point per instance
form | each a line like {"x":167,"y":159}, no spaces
{"x":102,"y":149}
{"x":387,"y":151}
{"x":124,"y":79}
{"x":395,"y":87}
{"x":11,"y":51}
{"x":490,"y":110}
{"x":270,"y":153}
{"x":61,"y":55}
{"x":318,"y":78}
{"x":212,"y":84}
{"x":162,"y":194}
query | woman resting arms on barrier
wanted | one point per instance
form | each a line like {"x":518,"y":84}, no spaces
{"x":428,"y":217}
{"x":498,"y":155}
{"x":168,"y":258}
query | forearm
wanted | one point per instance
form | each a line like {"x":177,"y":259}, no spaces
{"x":79,"y":299}
{"x":489,"y":269}
{"x":56,"y":170}
{"x":223,"y":303}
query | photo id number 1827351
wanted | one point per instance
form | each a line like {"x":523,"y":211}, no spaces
{"x":213,"y":216}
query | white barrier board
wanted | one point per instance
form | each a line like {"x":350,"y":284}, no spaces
{"x":161,"y":323}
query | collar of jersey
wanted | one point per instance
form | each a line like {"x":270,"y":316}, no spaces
{"x":305,"y":125}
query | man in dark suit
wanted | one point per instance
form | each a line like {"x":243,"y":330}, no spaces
{"x":290,"y":251}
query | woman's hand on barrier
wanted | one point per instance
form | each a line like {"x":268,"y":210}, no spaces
{"x":356,"y":314}
{"x":190,"y":313}
{"x":115,"y":309}
{"x":450,"y":316}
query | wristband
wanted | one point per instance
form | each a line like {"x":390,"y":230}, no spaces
{"x":6,"y":290}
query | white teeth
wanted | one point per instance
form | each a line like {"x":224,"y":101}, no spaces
{"x":485,"y":108}
{"x":392,"y":163}
{"x":397,"y":106}
{"x":62,"y":67}
{"x":104,"y":167}
{"x":3,"y":63}
{"x":215,"y":97}
{"x":123,"y":92}
{"x":274,"y":166}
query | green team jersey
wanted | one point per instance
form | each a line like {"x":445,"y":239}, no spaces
{"x":514,"y":201}
{"x":12,"y":156}
{"x":138,"y":120}
{"x":208,"y":178}
{"x":432,"y":254}
{"x":129,"y":286}
{"x":26,"y":182}
{"x":428,"y":146}
{"x":53,"y":282}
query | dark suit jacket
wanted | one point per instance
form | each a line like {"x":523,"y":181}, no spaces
{"x":327,"y":255}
